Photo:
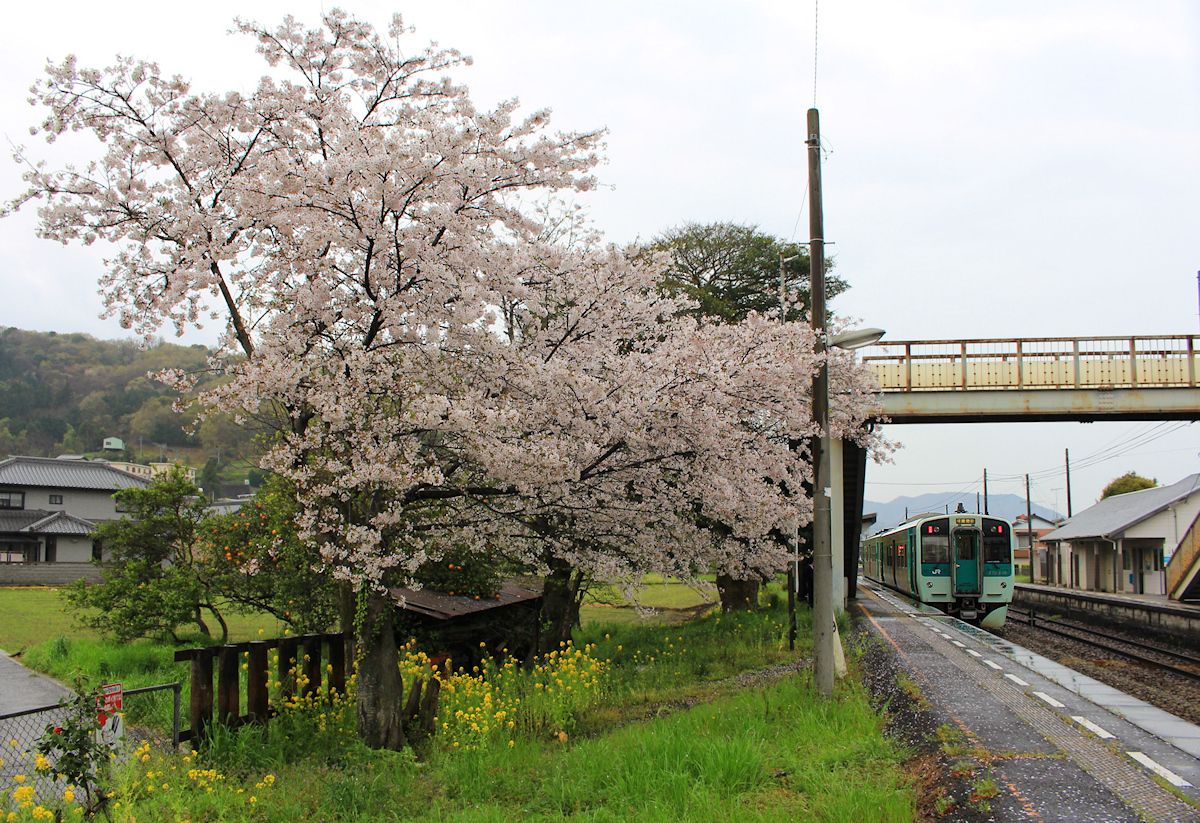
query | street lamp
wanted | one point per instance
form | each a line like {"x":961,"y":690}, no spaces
{"x":856,"y":338}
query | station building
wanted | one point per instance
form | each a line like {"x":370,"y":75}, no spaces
{"x":1124,"y":543}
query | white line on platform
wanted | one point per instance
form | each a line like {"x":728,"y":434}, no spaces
{"x":974,"y":653}
{"x":960,"y":645}
{"x":1162,"y":771}
{"x":995,"y":666}
{"x":1050,"y":700}
{"x":1016,"y":680}
{"x":1099,"y":731}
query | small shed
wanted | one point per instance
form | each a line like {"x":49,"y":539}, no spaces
{"x":113,"y":444}
{"x":468,"y":629}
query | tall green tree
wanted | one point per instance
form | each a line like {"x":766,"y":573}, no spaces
{"x":731,"y":269}
{"x":1128,"y":482}
{"x":151,"y":583}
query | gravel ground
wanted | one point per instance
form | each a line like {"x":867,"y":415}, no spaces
{"x":1178,"y":695}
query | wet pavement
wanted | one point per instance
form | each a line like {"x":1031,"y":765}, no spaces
{"x":22,"y":689}
{"x":1022,"y":738}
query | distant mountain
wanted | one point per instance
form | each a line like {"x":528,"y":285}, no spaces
{"x":1007,"y":506}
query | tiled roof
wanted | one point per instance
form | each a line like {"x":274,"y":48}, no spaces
{"x":1118,"y":513}
{"x":65,"y":474}
{"x":40,"y":521}
{"x":62,"y":523}
{"x":16,"y":520}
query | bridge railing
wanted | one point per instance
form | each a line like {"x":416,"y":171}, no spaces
{"x":1041,"y":363}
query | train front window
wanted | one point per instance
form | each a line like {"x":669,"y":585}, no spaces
{"x":935,"y":541}
{"x":964,"y":544}
{"x":997,"y":545}
{"x":996,"y":549}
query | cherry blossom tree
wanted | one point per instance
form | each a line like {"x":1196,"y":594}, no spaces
{"x":441,"y":370}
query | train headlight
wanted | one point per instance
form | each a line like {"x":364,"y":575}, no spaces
{"x":1003,"y":584}
{"x":929,"y":584}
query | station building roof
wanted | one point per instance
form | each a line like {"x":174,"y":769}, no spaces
{"x":1116,"y":514}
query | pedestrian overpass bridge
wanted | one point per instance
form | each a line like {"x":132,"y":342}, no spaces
{"x":1053,"y":378}
{"x":1082,"y":379}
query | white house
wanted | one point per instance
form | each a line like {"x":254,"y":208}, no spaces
{"x":49,"y":507}
{"x":1123,"y":543}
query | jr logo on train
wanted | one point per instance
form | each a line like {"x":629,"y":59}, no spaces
{"x":960,"y":563}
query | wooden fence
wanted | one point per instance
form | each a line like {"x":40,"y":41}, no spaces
{"x":310,"y":660}
{"x":300,"y":660}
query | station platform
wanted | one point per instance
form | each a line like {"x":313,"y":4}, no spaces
{"x":1153,"y":611}
{"x":1116,"y":597}
{"x":1020,"y":737}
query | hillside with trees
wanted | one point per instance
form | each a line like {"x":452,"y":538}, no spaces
{"x":65,"y":393}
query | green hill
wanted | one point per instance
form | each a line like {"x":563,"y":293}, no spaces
{"x":65,"y":393}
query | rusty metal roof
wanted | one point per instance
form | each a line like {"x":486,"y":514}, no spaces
{"x":444,"y":606}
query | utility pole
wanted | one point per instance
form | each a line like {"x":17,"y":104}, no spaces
{"x":824,"y":624}
{"x":1068,"y":456}
{"x":793,"y":575}
{"x":1029,"y":524}
{"x":985,"y":509}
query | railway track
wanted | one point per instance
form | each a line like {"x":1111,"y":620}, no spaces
{"x":1146,"y":654}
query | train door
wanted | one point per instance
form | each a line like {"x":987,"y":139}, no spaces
{"x":914,"y":567}
{"x":966,"y":561}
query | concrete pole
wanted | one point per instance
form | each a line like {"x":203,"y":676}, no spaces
{"x":824,"y":624}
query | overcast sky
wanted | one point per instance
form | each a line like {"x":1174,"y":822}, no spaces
{"x":1016,"y":169}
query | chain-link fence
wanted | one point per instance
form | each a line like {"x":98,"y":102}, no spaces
{"x":149,"y":714}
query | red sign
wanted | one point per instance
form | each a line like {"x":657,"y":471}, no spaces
{"x":108,"y":700}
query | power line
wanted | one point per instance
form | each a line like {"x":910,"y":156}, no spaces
{"x":816,"y":21}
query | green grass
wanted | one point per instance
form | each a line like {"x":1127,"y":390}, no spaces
{"x":33,"y":615}
{"x":657,"y":594}
{"x":676,"y":738}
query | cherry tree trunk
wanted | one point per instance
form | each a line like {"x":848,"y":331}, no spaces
{"x":380,"y":690}
{"x":560,"y":605}
{"x":737,"y":595}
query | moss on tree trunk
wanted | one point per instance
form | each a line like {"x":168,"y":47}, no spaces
{"x":561,"y":597}
{"x":380,"y":690}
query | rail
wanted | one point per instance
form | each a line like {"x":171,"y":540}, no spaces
{"x":1164,"y":361}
